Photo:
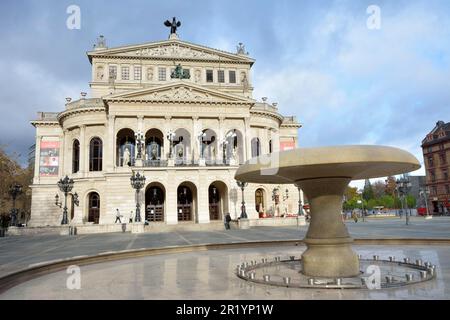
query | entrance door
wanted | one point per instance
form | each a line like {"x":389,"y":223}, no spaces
{"x":94,"y":208}
{"x":154,"y":200}
{"x":214,"y":203}
{"x":184,"y":207}
{"x":259,"y":200}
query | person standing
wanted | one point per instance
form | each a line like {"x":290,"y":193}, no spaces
{"x":227,"y":221}
{"x":118,"y":216}
{"x":354,"y":216}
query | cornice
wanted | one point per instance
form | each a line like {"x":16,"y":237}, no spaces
{"x":79,"y":110}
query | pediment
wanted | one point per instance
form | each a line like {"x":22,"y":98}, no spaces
{"x":171,"y":49}
{"x":179,"y":91}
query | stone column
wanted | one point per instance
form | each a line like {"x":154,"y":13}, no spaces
{"x":110,"y":146}
{"x":64,"y":158}
{"x":329,"y":252}
{"x":171,"y":214}
{"x":195,"y":146}
{"x":220,"y":140}
{"x":248,"y":139}
{"x":84,"y":152}
{"x":203,"y":200}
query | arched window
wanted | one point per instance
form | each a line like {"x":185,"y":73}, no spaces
{"x":256,"y":147}
{"x":95,"y":155}
{"x":94,"y":208}
{"x":76,"y":156}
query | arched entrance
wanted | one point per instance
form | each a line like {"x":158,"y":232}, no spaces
{"x":260,"y":202}
{"x":218,"y":200}
{"x":154,"y":202}
{"x":93,"y":207}
{"x":186,"y":201}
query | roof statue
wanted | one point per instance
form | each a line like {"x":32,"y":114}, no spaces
{"x":173,"y":25}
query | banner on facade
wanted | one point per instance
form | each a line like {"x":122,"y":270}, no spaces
{"x":49,"y":158}
{"x":287,"y":145}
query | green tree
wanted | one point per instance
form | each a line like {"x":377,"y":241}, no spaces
{"x":368,"y":191}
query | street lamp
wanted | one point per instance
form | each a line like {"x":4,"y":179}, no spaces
{"x":403,"y":186}
{"x":65,"y":186}
{"x":300,"y":211}
{"x":140,"y":141}
{"x":362,"y":207}
{"x":170,"y":136}
{"x":14,"y":191}
{"x":137,"y":182}
{"x":242,"y":185}
{"x":425,"y":193}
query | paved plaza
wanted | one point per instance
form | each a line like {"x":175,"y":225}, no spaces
{"x":18,"y":252}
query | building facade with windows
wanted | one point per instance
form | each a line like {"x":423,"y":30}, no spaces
{"x":436,"y":155}
{"x":180,"y":113}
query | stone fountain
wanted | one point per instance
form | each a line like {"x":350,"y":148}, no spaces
{"x":323,"y":174}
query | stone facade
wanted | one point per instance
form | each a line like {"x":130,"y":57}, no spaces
{"x":215,"y":124}
{"x":436,"y":155}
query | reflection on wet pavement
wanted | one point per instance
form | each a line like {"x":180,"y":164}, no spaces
{"x":210,"y":275}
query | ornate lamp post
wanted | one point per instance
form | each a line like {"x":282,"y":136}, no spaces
{"x":403,"y":186}
{"x":425,"y":193}
{"x":14,"y":191}
{"x":242,"y":185}
{"x":65,"y":186}
{"x":137,"y":182}
{"x":170,"y":136}
{"x":140,"y":141}
{"x":285,"y":197}
{"x":300,"y":211}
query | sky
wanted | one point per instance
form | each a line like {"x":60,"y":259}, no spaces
{"x":322,"y":61}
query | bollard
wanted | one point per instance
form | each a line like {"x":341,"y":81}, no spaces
{"x":359,"y":256}
{"x":431,"y":271}
{"x":389,"y":279}
{"x":391,"y":258}
{"x":292,"y":258}
{"x":338,"y":281}
{"x":375,"y":257}
{"x":427,"y":264}
{"x":423,"y":274}
{"x":406,"y":260}
{"x":409,"y":277}
{"x":252,"y":275}
{"x":287,"y":280}
{"x":266,"y":277}
{"x":311,"y":281}
{"x":419,"y":262}
{"x":242,"y":273}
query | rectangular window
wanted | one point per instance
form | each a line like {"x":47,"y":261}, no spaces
{"x":232,"y":76}
{"x":137,"y":73}
{"x":434,"y":190}
{"x":113,"y":72}
{"x":209,"y":76}
{"x":162,"y":74}
{"x":430,"y":161}
{"x":430,"y":149}
{"x":221,"y":76}
{"x":433,"y":176}
{"x":125,"y":73}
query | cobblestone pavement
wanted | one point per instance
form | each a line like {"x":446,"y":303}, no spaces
{"x":20,"y":251}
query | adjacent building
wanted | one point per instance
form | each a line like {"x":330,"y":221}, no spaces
{"x":180,"y":113}
{"x":436,"y":154}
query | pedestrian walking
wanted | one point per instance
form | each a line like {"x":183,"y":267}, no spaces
{"x":227,"y":221}
{"x":354,"y":216}
{"x":118,"y":216}
{"x":131,"y":217}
